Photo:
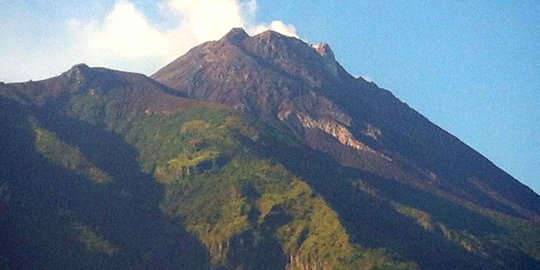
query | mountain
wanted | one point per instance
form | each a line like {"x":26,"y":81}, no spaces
{"x":303,"y":88}
{"x":250,"y":152}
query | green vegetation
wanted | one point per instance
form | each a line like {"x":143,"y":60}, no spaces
{"x":526,"y":234}
{"x":474,"y":229}
{"x":241,"y":206}
{"x":240,"y":201}
{"x":210,"y":184}
{"x":161,"y":139}
{"x":423,"y":218}
{"x":92,"y":240}
{"x":466,"y":240}
{"x":66,"y":155}
{"x":90,"y":106}
{"x":521,"y":233}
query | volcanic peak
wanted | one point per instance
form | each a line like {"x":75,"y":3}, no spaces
{"x":236,"y":35}
{"x":78,"y":70}
{"x":323,"y":49}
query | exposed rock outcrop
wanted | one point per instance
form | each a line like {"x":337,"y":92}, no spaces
{"x":340,"y":132}
{"x":328,"y":55}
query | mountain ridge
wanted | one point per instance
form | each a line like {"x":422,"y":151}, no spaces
{"x":321,"y":83}
{"x":247,"y":152}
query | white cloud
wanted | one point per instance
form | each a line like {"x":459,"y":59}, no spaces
{"x":73,"y":23}
{"x":126,"y":39}
{"x":129,"y":38}
{"x":126,"y":33}
{"x":278,"y":26}
{"x":208,"y":19}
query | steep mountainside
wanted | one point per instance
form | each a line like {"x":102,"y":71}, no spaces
{"x":303,"y":87}
{"x":246,"y":153}
{"x":112,"y":170}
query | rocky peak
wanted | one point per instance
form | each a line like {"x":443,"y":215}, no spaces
{"x":78,"y":72}
{"x":83,"y":77}
{"x":269,"y":34}
{"x":78,"y":69}
{"x":324,"y":50}
{"x":236,"y":35}
{"x":275,"y":40}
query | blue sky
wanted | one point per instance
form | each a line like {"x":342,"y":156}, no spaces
{"x":472,"y":67}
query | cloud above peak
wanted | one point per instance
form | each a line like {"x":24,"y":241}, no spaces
{"x":138,"y":36}
{"x":128,"y":39}
{"x":208,"y":19}
{"x":276,"y":25}
{"x":125,"y":33}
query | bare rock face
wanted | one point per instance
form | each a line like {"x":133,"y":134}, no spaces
{"x":328,"y":55}
{"x":236,"y":35}
{"x":324,"y":50}
{"x":341,"y":133}
{"x":77,"y":72}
